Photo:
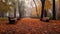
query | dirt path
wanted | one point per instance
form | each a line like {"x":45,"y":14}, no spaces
{"x":30,"y":26}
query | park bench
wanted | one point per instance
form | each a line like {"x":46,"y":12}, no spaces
{"x":45,"y":19}
{"x":12,"y":20}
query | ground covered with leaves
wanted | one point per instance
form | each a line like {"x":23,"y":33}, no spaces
{"x":30,"y":26}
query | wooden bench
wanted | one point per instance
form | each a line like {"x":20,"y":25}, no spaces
{"x":45,"y":19}
{"x":12,"y":20}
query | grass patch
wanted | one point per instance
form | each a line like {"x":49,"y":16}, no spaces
{"x":3,"y":19}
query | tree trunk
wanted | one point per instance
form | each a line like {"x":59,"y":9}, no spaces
{"x":54,"y":11}
{"x":14,"y":12}
{"x":14,"y":3}
{"x":2,"y":14}
{"x":42,"y":12}
{"x":36,"y":7}
{"x":19,"y":10}
{"x":45,"y":13}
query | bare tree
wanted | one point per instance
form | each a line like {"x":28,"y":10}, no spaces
{"x":43,"y":3}
{"x":21,"y":8}
{"x":54,"y":11}
{"x":36,"y":7}
{"x":14,"y":3}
